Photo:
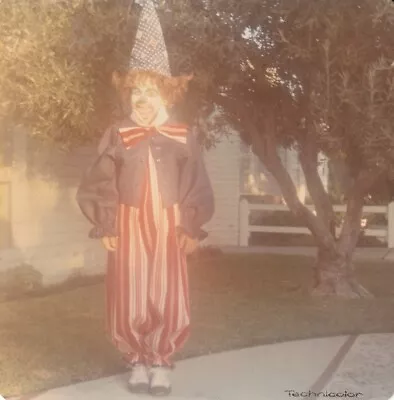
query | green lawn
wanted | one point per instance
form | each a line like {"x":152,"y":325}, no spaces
{"x":237,"y":301}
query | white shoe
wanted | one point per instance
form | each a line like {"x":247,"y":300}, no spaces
{"x":139,"y":379}
{"x":160,"y":384}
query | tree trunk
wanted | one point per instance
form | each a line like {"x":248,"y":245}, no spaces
{"x":335,"y":276}
{"x":334,"y":270}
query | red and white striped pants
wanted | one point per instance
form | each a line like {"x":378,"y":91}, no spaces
{"x":147,"y":294}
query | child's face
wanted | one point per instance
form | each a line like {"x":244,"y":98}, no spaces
{"x":146,"y":102}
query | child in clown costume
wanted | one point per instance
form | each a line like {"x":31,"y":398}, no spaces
{"x":148,"y":195}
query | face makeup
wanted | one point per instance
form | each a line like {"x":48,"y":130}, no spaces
{"x":146,"y":102}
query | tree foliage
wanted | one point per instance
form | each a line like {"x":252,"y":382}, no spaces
{"x":347,"y":75}
{"x":314,"y":75}
{"x":56,"y":63}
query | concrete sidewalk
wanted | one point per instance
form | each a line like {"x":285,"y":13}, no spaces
{"x":361,"y":253}
{"x":339,"y":367}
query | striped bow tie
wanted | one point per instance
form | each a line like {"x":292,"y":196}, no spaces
{"x":133,"y":135}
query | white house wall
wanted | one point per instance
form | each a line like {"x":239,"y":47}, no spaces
{"x":223,"y":165}
{"x":49,"y":233}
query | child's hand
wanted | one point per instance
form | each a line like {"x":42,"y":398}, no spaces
{"x":186,"y":243}
{"x":109,"y":242}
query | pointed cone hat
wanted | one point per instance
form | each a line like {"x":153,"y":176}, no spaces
{"x":149,"y":51}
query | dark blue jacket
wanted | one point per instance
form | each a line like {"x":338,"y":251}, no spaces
{"x":117,"y":177}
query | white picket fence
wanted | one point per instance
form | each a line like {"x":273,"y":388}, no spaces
{"x":386,"y":233}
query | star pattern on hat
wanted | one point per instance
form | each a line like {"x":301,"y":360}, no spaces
{"x":149,"y":51}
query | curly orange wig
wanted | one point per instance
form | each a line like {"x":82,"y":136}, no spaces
{"x":172,"y":89}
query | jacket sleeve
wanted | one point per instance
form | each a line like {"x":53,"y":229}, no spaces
{"x":197,"y":203}
{"x":105,"y":140}
{"x":97,"y":195}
